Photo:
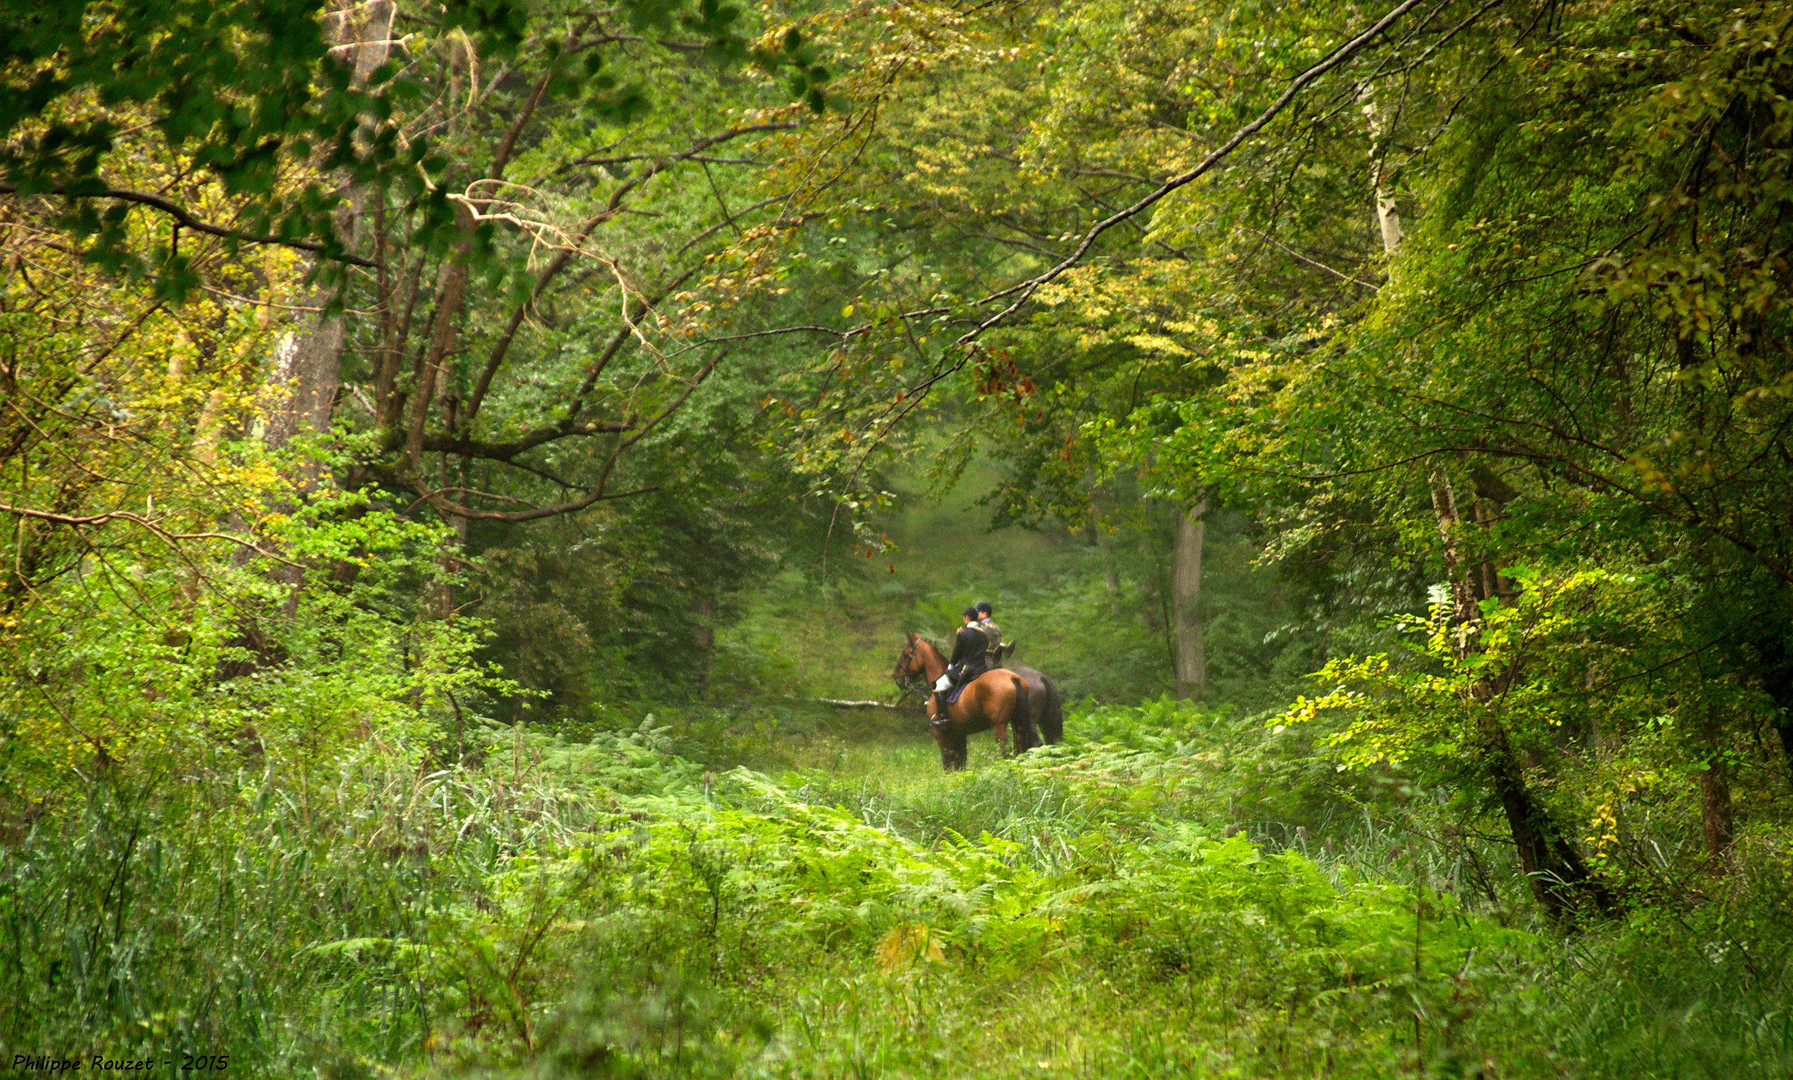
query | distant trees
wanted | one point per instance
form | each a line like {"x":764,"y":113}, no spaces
{"x":334,"y":267}
{"x":1496,"y":302}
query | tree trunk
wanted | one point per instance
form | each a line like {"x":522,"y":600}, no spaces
{"x":1387,"y":220}
{"x":1715,"y":793}
{"x":1559,"y":880}
{"x":307,"y":372}
{"x":1715,"y":810}
{"x":307,"y":375}
{"x":1111,"y":575}
{"x":1104,"y":543}
{"x":703,"y":638}
{"x":1558,"y":877}
{"x":1188,"y":628}
{"x":301,"y":391}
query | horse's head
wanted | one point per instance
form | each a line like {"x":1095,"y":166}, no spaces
{"x":909,"y":663}
{"x":911,"y":671}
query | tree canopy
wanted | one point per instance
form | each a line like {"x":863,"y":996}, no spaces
{"x":1404,"y":386}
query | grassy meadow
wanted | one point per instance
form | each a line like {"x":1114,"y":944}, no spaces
{"x":1174,"y":892}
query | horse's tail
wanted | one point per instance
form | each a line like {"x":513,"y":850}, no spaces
{"x":1052,"y":715}
{"x":1024,"y":731}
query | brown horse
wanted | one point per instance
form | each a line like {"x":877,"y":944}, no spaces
{"x":1045,"y":709}
{"x":996,"y":701}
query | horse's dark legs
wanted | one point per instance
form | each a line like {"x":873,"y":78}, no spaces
{"x":953,"y":751}
{"x":1026,"y":734}
{"x":1052,"y":716}
{"x":1026,"y":731}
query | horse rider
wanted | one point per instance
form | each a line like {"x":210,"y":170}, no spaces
{"x":991,"y":631}
{"x":971,"y":654}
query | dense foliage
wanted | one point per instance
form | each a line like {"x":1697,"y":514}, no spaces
{"x":442,"y":445}
{"x":604,"y":907}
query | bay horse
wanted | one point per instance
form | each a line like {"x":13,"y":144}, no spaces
{"x":996,"y":701}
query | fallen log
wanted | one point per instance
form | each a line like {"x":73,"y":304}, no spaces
{"x":842,"y":704}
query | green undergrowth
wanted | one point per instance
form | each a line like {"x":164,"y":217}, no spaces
{"x":1172,"y":893}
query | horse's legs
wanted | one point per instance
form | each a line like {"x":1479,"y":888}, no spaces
{"x":953,"y":750}
{"x":948,"y":735}
{"x":1027,"y":731}
{"x":1052,"y":715}
{"x":1026,"y":736}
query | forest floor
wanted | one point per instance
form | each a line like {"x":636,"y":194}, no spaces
{"x":1127,"y":905}
{"x":800,"y":892}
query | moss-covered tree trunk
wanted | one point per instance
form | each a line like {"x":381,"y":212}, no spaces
{"x":1188,"y":631}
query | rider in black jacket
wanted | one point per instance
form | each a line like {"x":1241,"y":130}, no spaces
{"x":971,"y":651}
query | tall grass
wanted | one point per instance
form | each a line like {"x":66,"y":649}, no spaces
{"x":1172,"y":893}
{"x":227,"y":907}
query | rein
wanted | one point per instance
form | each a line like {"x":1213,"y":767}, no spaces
{"x":905,"y":681}
{"x":911,"y":659}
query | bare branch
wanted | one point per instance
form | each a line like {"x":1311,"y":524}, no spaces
{"x":504,"y":451}
{"x":594,"y":494}
{"x":187,"y":220}
{"x":1023,"y":291}
{"x":87,"y":521}
{"x":1293,"y":254}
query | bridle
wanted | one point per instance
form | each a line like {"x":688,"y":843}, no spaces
{"x":900,"y":674}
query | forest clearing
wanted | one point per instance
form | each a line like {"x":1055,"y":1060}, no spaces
{"x":497,"y":498}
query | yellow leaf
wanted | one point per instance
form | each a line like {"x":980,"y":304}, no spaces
{"x":909,"y":944}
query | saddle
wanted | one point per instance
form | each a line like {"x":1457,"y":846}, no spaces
{"x":950,"y":695}
{"x":1001,"y":657}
